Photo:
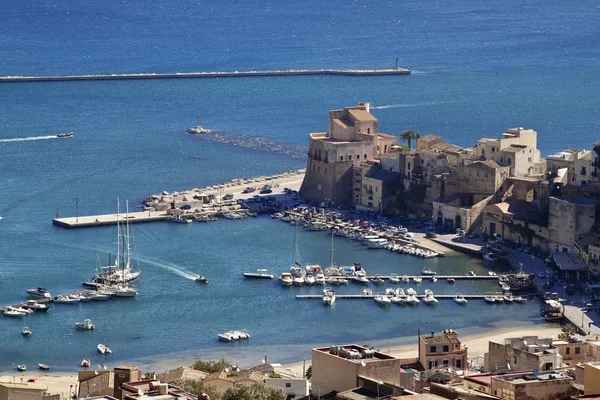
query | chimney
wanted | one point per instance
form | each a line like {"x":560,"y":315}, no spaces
{"x":432,"y":333}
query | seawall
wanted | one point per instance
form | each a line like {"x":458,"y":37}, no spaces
{"x":190,"y":75}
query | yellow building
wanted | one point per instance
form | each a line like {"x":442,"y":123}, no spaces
{"x":25,"y":391}
{"x":591,"y":379}
{"x":444,"y":350}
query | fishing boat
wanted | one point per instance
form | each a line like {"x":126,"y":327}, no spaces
{"x":259,"y":274}
{"x":460,"y":299}
{"x":22,"y":367}
{"x":382,"y":299}
{"x":198,"y":129}
{"x":35,"y":306}
{"x":394,"y":278}
{"x":85,"y":325}
{"x":85,"y":363}
{"x":102,"y":349}
{"x":286,"y":279}
{"x":328,"y":297}
{"x":44,"y":367}
{"x":39,"y":293}
{"x":179,"y":219}
{"x":65,"y":134}
{"x":25,"y":331}
{"x":203,"y":279}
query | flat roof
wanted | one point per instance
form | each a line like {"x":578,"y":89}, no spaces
{"x":376,"y":356}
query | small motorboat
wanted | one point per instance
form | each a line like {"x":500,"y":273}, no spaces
{"x":505,"y":286}
{"x":367,"y":292}
{"x":471,"y":273}
{"x":382,"y":299}
{"x":286,"y":279}
{"x":225,"y":337}
{"x":492,"y":273}
{"x":460,"y":299}
{"x":508,"y":297}
{"x":39,"y":293}
{"x":451,"y":280}
{"x":398,"y":300}
{"x":411,"y":292}
{"x":298,"y":280}
{"x":199,"y":130}
{"x":320,"y":279}
{"x":412,"y":300}
{"x":25,"y":331}
{"x":427,"y":271}
{"x":429,"y":299}
{"x":98,"y":296}
{"x":519,"y":299}
{"x":328,"y":297}
{"x":44,"y":367}
{"x":499,"y":299}
{"x":361,"y":279}
{"x":434,"y":279}
{"x":309,"y":278}
{"x":490,"y":299}
{"x":489,"y":257}
{"x":22,"y":367}
{"x":102,"y":349}
{"x":417,"y":279}
{"x":394,"y":278}
{"x":66,"y":300}
{"x":259,"y":274}
{"x":405,"y":279}
{"x":85,"y":363}
{"x":25,"y":311}
{"x":65,"y":134}
{"x":377,"y":280}
{"x":85,"y":325}
{"x":13,"y":313}
{"x":201,"y":279}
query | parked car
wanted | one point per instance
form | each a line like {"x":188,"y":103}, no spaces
{"x":265,"y":191}
{"x":430,"y":235}
{"x":249,"y":190}
{"x":588,"y":307}
{"x":228,"y":196}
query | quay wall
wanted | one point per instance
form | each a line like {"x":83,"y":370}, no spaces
{"x":189,"y":75}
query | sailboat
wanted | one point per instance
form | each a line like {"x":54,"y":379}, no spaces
{"x":124,"y":290}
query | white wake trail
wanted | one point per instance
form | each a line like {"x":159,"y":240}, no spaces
{"x":406,"y":105}
{"x":177,"y":270}
{"x":27,"y":139}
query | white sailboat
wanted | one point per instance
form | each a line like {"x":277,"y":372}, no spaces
{"x":124,"y":290}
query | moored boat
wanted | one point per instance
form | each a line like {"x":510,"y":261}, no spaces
{"x":25,"y":331}
{"x":179,"y":219}
{"x":85,"y":324}
{"x":22,"y":367}
{"x":39,"y":293}
{"x":460,"y":299}
{"x":259,"y":274}
{"x":328,"y":297}
{"x":44,"y":367}
{"x":103,"y":349}
{"x":286,"y":279}
{"x":85,"y":363}
{"x":394,"y":278}
{"x":382,"y":299}
{"x":428,"y":271}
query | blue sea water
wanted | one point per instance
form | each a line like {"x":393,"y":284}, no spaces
{"x":478,"y":68}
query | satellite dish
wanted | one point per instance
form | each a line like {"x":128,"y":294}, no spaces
{"x":525,"y":342}
{"x":363,"y":363}
{"x":96,"y":372}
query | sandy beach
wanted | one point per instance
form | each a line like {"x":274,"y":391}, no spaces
{"x":477,"y":344}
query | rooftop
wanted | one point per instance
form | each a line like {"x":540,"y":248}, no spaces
{"x":380,"y":174}
{"x":429,"y":138}
{"x":354,"y":353}
{"x":514,"y":148}
{"x":533,"y":377}
{"x":448,"y":336}
{"x":446,"y":148}
{"x":362,"y":115}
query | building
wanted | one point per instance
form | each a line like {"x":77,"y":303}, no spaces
{"x":577,"y":351}
{"x":374,"y":186}
{"x":96,"y":383}
{"x":293,"y":387}
{"x":338,"y":368}
{"x":582,"y":169}
{"x":588,"y":247}
{"x":568,"y":218}
{"x":224,"y":380}
{"x":353,"y":138}
{"x":153,"y":390}
{"x":522,"y":354}
{"x":425,"y":142}
{"x":591,"y":379}
{"x":461,"y":210}
{"x":549,"y":385}
{"x":444,"y":350}
{"x":125,"y":374}
{"x":178,"y":375}
{"x":25,"y":391}
{"x":517,"y":221}
{"x":595,"y":156}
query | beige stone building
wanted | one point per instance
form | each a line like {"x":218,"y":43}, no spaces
{"x":528,"y":386}
{"x":353,"y":138}
{"x":526,"y":353}
{"x":577,"y":162}
{"x":224,"y":380}
{"x":568,"y":218}
{"x":445,"y":350}
{"x":425,"y":142}
{"x":577,"y":352}
{"x":374,"y":186}
{"x":595,"y":167}
{"x":339,"y":367}
{"x":461,"y":210}
{"x":25,"y":391}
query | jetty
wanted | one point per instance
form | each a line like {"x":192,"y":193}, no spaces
{"x":110,"y":219}
{"x":49,"y":300}
{"x":372,"y":296}
{"x":196,"y":75}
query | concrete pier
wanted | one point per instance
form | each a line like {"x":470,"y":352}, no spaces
{"x":110,"y":219}
{"x":420,"y":296}
{"x":189,"y":75}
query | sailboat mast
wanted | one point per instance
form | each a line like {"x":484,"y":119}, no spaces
{"x":295,"y":260}
{"x":127,"y":225}
{"x":118,"y":260}
{"x":331,"y":262}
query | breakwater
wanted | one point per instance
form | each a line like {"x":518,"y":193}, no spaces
{"x":191,"y":75}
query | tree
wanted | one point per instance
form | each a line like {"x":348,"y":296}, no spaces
{"x":257,"y":391}
{"x":196,"y":387}
{"x":409,"y":135}
{"x":308,"y":373}
{"x":567,"y":331}
{"x":211,"y":366}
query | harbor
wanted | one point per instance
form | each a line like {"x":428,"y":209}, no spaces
{"x":205,"y":75}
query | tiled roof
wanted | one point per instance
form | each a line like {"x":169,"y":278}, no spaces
{"x":429,"y":138}
{"x":181,"y":374}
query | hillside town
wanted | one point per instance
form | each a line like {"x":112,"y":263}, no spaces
{"x":501,"y":187}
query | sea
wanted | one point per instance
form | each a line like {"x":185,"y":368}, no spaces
{"x":478,"y":69}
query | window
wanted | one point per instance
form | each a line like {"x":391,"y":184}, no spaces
{"x":375,"y":189}
{"x":445,"y":362}
{"x":288,"y":384}
{"x":409,"y":166}
{"x":365,"y":156}
{"x":529,"y":159}
{"x":422,"y":161}
{"x":341,"y":158}
{"x":432,"y":349}
{"x":459,"y":363}
{"x":514,"y":359}
{"x":493,"y":149}
{"x":508,"y":160}
{"x":369,"y":131}
{"x":318,"y":169}
{"x":350,"y":157}
{"x":446,"y":349}
{"x":577,"y":350}
{"x":358,"y":156}
{"x":325,"y":171}
{"x":568,"y":350}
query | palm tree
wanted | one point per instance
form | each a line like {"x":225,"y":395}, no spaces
{"x":409,"y":135}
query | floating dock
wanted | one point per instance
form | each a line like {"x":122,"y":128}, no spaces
{"x":412,"y":277}
{"x":191,"y":75}
{"x":372,"y":296}
{"x":110,"y":219}
{"x":48,"y":300}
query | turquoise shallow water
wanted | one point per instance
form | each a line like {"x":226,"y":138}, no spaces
{"x":478,"y":69}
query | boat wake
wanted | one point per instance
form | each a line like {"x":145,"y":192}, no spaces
{"x":27,"y":139}
{"x":407,"y":105}
{"x":170,"y":267}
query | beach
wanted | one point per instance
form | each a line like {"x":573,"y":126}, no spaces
{"x":477,"y":345}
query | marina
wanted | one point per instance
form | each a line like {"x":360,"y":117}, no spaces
{"x":196,"y":75}
{"x":373,"y":296}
